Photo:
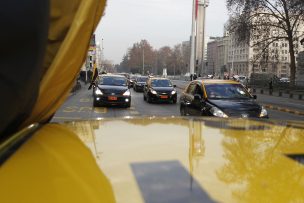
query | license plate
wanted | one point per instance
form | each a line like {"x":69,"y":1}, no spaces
{"x":111,"y":98}
{"x":164,"y":97}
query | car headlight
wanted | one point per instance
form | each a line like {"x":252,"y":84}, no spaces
{"x":263,"y":113}
{"x":218,"y":113}
{"x":98,"y":92}
{"x":153,"y":91}
{"x":173,"y":92}
{"x":127,"y":93}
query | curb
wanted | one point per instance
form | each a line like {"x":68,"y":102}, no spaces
{"x":293,"y":111}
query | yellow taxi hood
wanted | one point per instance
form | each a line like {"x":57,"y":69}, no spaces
{"x":198,"y":159}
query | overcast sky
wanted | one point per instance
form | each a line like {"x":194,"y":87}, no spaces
{"x":161,"y":22}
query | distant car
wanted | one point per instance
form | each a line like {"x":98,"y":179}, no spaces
{"x":160,"y":90}
{"x":112,"y":90}
{"x":284,"y":80}
{"x":132,"y":80}
{"x":140,"y":83}
{"x":220,"y":98}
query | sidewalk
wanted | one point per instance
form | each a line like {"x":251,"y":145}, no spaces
{"x":294,"y":106}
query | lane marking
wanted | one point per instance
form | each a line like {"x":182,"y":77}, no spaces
{"x":85,"y":100}
{"x":85,"y":109}
{"x":100,"y":110}
{"x":134,"y":112}
{"x":70,"y":109}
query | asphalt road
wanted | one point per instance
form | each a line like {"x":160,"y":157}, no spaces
{"x":79,"y":106}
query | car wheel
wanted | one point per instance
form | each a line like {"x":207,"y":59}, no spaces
{"x":95,"y":103}
{"x":149,"y":99}
{"x":128,"y":105}
{"x":174,"y":101}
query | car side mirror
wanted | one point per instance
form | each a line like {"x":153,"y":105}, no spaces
{"x":197,"y":97}
{"x":174,"y":85}
{"x":254,"y":97}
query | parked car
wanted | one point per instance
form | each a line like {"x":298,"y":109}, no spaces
{"x":160,"y":90}
{"x":220,"y":98}
{"x":112,"y":90}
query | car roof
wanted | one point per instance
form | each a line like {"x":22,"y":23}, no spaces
{"x":113,"y":75}
{"x":212,"y":81}
{"x":155,"y":78}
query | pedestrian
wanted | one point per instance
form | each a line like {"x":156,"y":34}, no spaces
{"x":194,"y":76}
{"x":270,"y":86}
{"x":191,"y":77}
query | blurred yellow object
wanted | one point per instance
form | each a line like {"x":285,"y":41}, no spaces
{"x":53,"y":166}
{"x":72,"y":24}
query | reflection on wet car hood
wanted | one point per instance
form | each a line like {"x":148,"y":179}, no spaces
{"x":198,"y":159}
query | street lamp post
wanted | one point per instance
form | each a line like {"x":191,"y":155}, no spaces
{"x":143,"y":59}
{"x":198,"y":33}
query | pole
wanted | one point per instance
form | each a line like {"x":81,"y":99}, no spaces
{"x":143,"y":70}
{"x":232,"y":63}
{"x":192,"y":57}
{"x":206,"y":3}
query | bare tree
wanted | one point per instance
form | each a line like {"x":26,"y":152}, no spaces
{"x":264,"y":22}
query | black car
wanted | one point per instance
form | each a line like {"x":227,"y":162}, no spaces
{"x":139,"y":83}
{"x":220,"y":98}
{"x":159,"y":90}
{"x":112,"y":90}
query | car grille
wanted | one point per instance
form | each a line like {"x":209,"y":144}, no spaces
{"x":164,"y":92}
{"x":113,"y":92}
{"x":248,"y":113}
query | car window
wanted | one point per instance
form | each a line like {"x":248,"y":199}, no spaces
{"x":115,"y":81}
{"x":198,"y":90}
{"x":191,"y":89}
{"x":161,"y":83}
{"x":142,"y":79}
{"x":227,"y":91}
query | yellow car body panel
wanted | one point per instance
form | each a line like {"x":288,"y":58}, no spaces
{"x":231,"y":160}
{"x":158,"y":160}
{"x":53,"y":165}
{"x":72,"y":24}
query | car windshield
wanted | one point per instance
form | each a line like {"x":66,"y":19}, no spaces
{"x":115,"y":81}
{"x":227,"y":91}
{"x":161,"y":83}
{"x":142,"y":79}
